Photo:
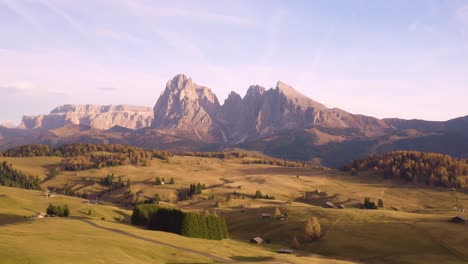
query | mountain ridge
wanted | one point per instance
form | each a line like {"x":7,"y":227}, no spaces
{"x":279,"y":121}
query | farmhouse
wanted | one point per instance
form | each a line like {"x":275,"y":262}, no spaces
{"x":286,"y":251}
{"x":329,"y":205}
{"x":40,"y":215}
{"x":256,"y":240}
{"x":266,"y":216}
{"x":459,"y":219}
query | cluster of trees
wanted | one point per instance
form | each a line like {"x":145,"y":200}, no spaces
{"x":277,"y":162}
{"x":87,"y":156}
{"x":259,"y":195}
{"x":162,"y":155}
{"x":217,"y":155}
{"x":160,"y":181}
{"x":418,"y":167}
{"x":193,"y":190}
{"x":208,"y":226}
{"x":100,"y":160}
{"x":109,"y":182}
{"x":14,"y":178}
{"x":33,"y":150}
{"x":369,"y":204}
{"x":58,"y":210}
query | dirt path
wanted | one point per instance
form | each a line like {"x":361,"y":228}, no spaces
{"x":204,"y":254}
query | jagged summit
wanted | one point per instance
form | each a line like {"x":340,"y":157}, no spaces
{"x":299,"y":98}
{"x":255,"y":90}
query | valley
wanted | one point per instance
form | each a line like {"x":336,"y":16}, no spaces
{"x":413,"y":226}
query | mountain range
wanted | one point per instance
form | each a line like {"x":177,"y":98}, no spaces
{"x":279,"y":121}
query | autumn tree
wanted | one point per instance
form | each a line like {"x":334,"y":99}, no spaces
{"x":295,"y":243}
{"x":312,"y":228}
{"x":277,"y":213}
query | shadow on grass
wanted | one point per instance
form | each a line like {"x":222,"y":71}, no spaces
{"x":251,"y":259}
{"x":10,"y":219}
{"x":122,"y":214}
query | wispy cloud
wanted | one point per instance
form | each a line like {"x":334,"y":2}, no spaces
{"x":68,"y":18}
{"x":462,"y":17}
{"x":17,"y":8}
{"x":115,"y":35}
{"x":17,"y":87}
{"x":274,"y":33}
{"x":418,"y":26}
{"x":141,"y":9}
{"x":462,"y":14}
{"x":107,"y":89}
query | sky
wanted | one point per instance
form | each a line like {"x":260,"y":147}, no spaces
{"x":406,"y":59}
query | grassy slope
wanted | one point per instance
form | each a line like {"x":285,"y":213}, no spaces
{"x":413,"y":228}
{"x":84,"y":239}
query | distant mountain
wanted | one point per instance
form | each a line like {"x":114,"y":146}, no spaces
{"x":96,"y":116}
{"x":279,"y":121}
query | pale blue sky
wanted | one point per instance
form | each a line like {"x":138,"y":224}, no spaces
{"x":405,"y":59}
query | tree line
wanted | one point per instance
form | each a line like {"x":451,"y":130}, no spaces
{"x":74,"y":150}
{"x":217,"y":155}
{"x":419,"y":167}
{"x":14,"y":178}
{"x":190,"y":224}
{"x":277,"y":162}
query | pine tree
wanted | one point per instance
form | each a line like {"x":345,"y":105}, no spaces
{"x":380,"y":203}
{"x":295,"y":243}
{"x":129,"y":183}
{"x":172,"y":181}
{"x":158,"y":181}
{"x":66,"y":211}
{"x":258,"y":194}
{"x":277,"y":213}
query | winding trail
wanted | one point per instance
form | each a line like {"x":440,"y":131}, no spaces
{"x":204,"y":254}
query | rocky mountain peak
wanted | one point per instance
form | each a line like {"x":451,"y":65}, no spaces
{"x":255,"y":91}
{"x":179,"y":82}
{"x":187,"y":108}
{"x":296,"y":97}
{"x":95,"y":116}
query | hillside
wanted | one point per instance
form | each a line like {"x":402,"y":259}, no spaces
{"x":413,"y":222}
{"x":416,"y":167}
{"x":82,"y":238}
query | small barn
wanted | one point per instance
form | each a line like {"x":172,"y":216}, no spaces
{"x":286,"y":251}
{"x":459,"y":219}
{"x":341,"y":206}
{"x":257,"y":240}
{"x":329,"y":205}
{"x":266,"y":216}
{"x":40,"y":215}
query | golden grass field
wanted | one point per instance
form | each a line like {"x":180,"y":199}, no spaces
{"x":413,"y":227}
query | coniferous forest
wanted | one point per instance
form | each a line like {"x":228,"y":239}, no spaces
{"x":14,"y":178}
{"x":418,"y":167}
{"x":207,"y":226}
